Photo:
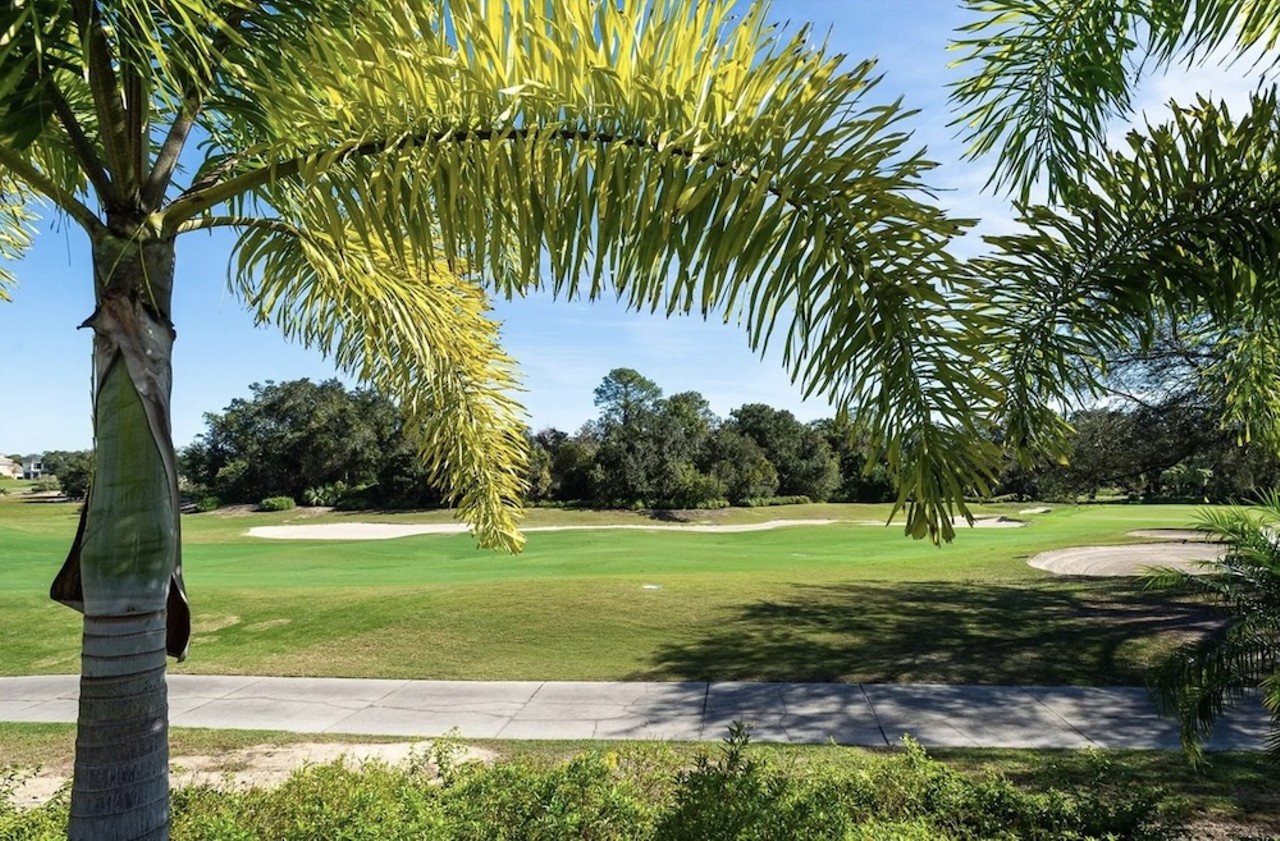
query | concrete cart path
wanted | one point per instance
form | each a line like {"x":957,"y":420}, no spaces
{"x":802,"y":713}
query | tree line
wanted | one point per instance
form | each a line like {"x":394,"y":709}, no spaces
{"x":325,"y":444}
{"x":321,"y":443}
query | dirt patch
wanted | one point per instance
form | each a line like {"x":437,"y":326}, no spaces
{"x":1134,"y":559}
{"x":260,"y":766}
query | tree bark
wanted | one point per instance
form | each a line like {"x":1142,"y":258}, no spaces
{"x":124,"y":568}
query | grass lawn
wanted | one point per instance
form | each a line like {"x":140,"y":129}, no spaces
{"x":844,"y":602}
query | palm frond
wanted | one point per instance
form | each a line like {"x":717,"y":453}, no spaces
{"x":659,"y":152}
{"x":1187,"y":220}
{"x":1198,"y":682}
{"x":417,"y":333}
{"x":1046,"y":76}
{"x":17,"y":228}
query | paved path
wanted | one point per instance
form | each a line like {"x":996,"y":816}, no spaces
{"x":812,"y":713}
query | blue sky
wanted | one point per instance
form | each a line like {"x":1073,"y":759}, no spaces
{"x":564,"y":348}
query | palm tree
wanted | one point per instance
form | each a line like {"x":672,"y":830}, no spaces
{"x":1199,"y":680}
{"x":391,"y":165}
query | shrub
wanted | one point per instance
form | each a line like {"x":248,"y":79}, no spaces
{"x":208,"y":503}
{"x":325,"y":495}
{"x":277,"y":503}
{"x":647,"y":793}
{"x":360,"y":498}
{"x":764,"y":501}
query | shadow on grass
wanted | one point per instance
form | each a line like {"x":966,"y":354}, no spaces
{"x":1103,"y":633}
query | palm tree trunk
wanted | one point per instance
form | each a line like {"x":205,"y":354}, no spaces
{"x":123,"y":571}
{"x":121,"y":787}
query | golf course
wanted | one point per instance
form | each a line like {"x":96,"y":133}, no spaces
{"x":851,"y":600}
{"x":611,"y":595}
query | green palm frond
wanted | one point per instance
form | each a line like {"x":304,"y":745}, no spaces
{"x":1186,"y":220}
{"x":419,"y":334}
{"x":1198,"y":681}
{"x":1212,"y":25}
{"x":1049,"y":75}
{"x":659,"y":152}
{"x":1046,"y":76}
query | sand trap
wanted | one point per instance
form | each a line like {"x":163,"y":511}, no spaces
{"x":991,"y":522}
{"x":980,"y":521}
{"x":1109,"y":561}
{"x":389,"y":531}
{"x":261,"y":766}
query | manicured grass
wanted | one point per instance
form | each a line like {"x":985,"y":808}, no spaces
{"x":16,"y":486}
{"x":844,"y":602}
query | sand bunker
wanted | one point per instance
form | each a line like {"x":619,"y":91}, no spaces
{"x":981,"y":521}
{"x":389,"y":531}
{"x":1109,"y":561}
{"x":991,"y":522}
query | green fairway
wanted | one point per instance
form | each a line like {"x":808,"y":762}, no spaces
{"x":841,"y":602}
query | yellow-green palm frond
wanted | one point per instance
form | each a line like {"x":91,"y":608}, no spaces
{"x":661,"y":151}
{"x":16,"y":228}
{"x":416,"y":332}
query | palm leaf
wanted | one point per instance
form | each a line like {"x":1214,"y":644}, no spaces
{"x":417,"y":333}
{"x":1186,"y":221}
{"x":658,"y":152}
{"x":1047,"y":76}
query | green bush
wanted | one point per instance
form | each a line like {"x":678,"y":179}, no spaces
{"x":765,"y":501}
{"x":208,"y":503}
{"x":647,"y":793}
{"x":325,"y":495}
{"x":277,"y":503}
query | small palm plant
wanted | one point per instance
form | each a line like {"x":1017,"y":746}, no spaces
{"x":1200,"y":680}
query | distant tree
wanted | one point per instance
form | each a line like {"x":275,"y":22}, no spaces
{"x":539,"y":481}
{"x":72,"y":468}
{"x":739,"y":464}
{"x":291,"y":436}
{"x":864,"y":476}
{"x":625,"y":397}
{"x":572,"y":463}
{"x":804,"y":461}
{"x":550,"y":439}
